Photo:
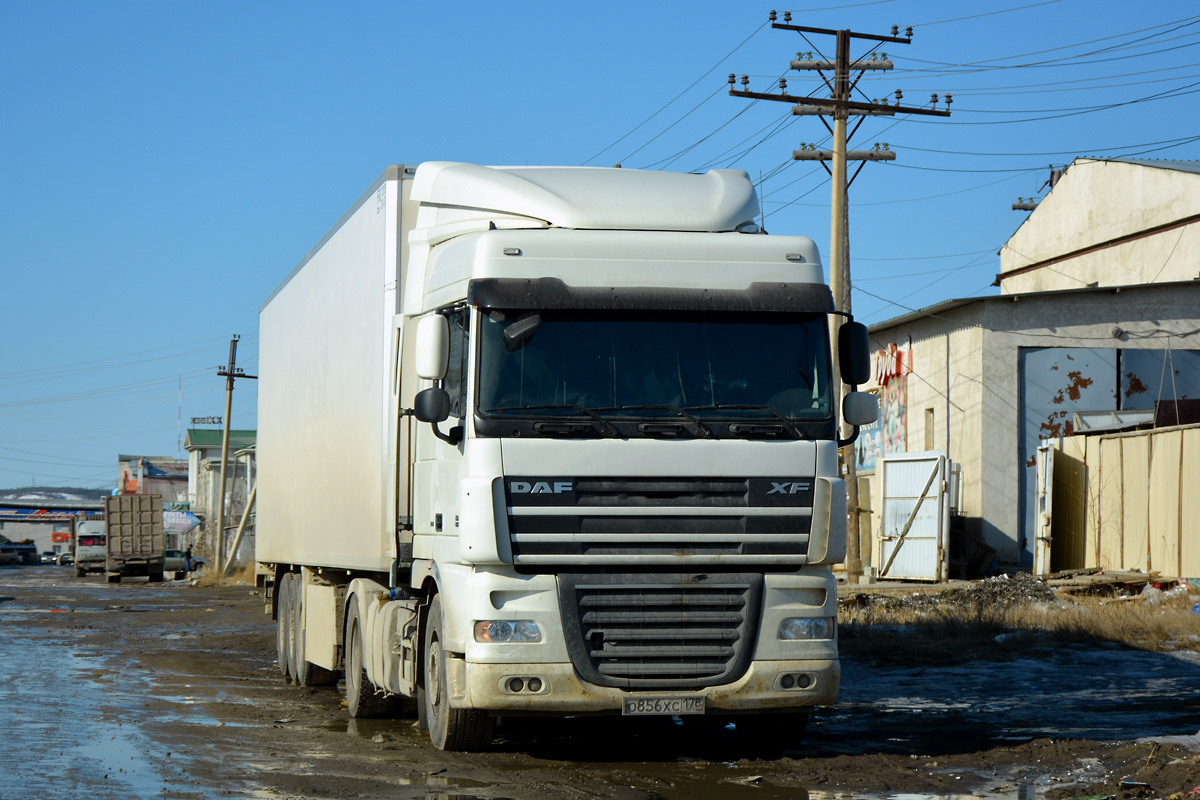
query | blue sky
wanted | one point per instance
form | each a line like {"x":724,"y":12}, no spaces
{"x":165,"y":165}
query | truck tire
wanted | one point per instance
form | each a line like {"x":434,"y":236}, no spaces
{"x":449,"y":728}
{"x":155,"y":577}
{"x":363,"y":699}
{"x":283,"y":624}
{"x":113,"y":577}
{"x":303,"y":671}
{"x":79,"y":573}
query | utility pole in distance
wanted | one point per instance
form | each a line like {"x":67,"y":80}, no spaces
{"x":230,"y":372}
{"x":841,"y":107}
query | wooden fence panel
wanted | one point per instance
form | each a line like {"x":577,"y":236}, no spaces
{"x":1163,"y":511}
{"x":1189,"y":507}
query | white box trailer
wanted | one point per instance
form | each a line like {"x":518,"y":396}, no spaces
{"x":556,"y":441}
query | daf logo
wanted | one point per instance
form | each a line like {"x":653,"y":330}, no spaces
{"x":541,"y":487}
{"x":789,"y":488}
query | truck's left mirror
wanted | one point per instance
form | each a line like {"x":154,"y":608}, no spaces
{"x":433,"y":348}
{"x":431,"y":405}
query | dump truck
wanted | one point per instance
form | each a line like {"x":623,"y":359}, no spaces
{"x":557,"y":441}
{"x":133,"y":525}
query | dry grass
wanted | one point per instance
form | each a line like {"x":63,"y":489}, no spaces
{"x":244,"y":574}
{"x":952,"y":627}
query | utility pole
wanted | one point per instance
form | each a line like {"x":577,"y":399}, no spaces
{"x":230,"y":372}
{"x":839,"y":106}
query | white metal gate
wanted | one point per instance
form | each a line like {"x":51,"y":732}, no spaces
{"x":1044,"y":504}
{"x":913,"y":543}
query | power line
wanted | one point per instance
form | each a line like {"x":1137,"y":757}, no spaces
{"x":986,"y":14}
{"x":676,"y":97}
{"x":1181,"y":140}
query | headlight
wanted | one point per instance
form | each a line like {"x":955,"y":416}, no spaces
{"x":503,"y":631}
{"x":806,"y":628}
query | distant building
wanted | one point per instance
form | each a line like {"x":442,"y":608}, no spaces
{"x":203,"y":446}
{"x":1098,"y":316}
{"x":161,"y":475}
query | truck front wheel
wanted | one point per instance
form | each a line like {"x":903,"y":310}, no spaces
{"x":449,"y":728}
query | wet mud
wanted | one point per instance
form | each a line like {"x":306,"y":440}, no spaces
{"x":170,"y":690}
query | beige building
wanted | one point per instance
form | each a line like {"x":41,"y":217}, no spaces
{"x":1098,"y":316}
{"x":203,"y":446}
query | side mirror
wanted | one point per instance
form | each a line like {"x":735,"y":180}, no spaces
{"x":432,"y":405}
{"x":433,"y":348}
{"x":860,"y":408}
{"x":854,"y":353}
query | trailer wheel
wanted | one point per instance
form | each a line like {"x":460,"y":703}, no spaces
{"x":305,"y":672}
{"x":156,"y":577}
{"x":283,"y":623}
{"x":113,"y":577}
{"x":363,"y":698}
{"x":449,"y":728}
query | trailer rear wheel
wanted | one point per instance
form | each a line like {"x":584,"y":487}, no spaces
{"x":305,"y":672}
{"x":283,"y":623}
{"x":449,"y":728}
{"x":363,"y":699}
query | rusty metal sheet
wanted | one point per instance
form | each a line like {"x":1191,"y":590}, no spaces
{"x":1055,"y":383}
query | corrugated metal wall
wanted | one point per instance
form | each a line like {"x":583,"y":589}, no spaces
{"x":1128,"y":501}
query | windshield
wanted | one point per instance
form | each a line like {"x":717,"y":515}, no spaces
{"x":614,"y":364}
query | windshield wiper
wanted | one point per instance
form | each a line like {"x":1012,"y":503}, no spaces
{"x":605,"y":425}
{"x":787,"y":423}
{"x":704,"y":429}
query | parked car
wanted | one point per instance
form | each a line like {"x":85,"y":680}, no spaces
{"x":173,"y":561}
{"x":19,"y":552}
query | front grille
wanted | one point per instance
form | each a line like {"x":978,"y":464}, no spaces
{"x":657,"y":523}
{"x":660,"y":631}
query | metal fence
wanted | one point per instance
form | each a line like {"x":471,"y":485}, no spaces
{"x":1122,"y":501}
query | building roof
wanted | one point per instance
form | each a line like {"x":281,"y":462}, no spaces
{"x":1178,"y":166}
{"x":937,"y":309}
{"x":211,"y":437}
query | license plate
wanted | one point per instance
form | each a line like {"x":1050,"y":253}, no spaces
{"x":661,"y":705}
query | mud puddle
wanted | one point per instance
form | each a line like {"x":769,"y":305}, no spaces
{"x":182,"y":700}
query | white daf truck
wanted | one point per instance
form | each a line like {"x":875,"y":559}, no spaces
{"x":556,"y":441}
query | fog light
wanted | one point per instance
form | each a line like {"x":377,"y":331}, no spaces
{"x":803,"y":681}
{"x":788,"y":681}
{"x":516,"y":685}
{"x":535,"y":684}
{"x":806,"y":628}
{"x":504,"y":631}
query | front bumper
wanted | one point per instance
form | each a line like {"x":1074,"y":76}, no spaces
{"x":487,"y":686}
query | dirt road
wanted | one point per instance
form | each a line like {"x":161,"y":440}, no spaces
{"x":171,"y":690}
